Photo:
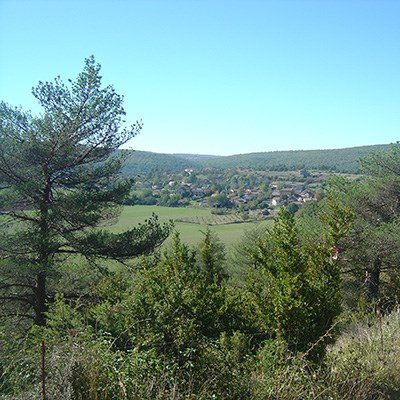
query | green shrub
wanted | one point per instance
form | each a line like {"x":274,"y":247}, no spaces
{"x":295,"y":288}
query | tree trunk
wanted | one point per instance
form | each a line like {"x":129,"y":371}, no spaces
{"x":44,"y":252}
{"x":40,"y":300}
{"x":372,"y":281}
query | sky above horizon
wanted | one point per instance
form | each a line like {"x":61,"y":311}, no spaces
{"x":220,"y":77}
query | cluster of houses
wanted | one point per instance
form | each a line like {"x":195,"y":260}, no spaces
{"x":186,"y":189}
{"x":295,"y":194}
{"x":279,"y":197}
{"x":205,"y":191}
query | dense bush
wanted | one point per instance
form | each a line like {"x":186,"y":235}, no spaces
{"x":84,"y":364}
{"x":174,"y":328}
{"x":295,"y":288}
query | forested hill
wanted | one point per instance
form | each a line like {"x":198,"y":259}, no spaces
{"x":337,"y":160}
{"x":340,"y":160}
{"x":139,"y":162}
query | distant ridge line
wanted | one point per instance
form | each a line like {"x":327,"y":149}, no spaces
{"x":335,"y":160}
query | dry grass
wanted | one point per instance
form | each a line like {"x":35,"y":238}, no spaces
{"x":364,"y":363}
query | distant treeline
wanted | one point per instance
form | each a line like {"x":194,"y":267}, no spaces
{"x":336,"y":160}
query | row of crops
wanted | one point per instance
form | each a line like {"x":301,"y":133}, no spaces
{"x":213,"y":219}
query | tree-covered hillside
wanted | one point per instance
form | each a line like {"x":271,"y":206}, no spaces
{"x":139,"y":162}
{"x":338,"y":160}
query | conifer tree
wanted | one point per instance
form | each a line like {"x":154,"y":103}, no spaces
{"x":294,"y":286}
{"x":373,"y":244}
{"x":59,"y":182}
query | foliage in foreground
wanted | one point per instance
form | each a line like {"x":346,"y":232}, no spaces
{"x":175,"y":329}
{"x":362,"y":364}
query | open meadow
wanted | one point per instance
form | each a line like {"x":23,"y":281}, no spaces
{"x":190,"y":222}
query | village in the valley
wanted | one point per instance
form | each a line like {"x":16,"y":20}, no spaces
{"x":257,"y":193}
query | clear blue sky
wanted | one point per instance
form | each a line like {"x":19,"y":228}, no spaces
{"x":220,"y":76}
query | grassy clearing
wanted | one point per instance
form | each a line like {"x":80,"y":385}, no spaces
{"x":191,"y":232}
{"x":190,"y":222}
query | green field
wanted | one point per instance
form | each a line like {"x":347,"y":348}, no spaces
{"x":224,"y":226}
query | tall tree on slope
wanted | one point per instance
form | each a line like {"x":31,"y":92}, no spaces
{"x":59,"y":182}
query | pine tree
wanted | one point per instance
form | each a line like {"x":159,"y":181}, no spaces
{"x":60,"y":181}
